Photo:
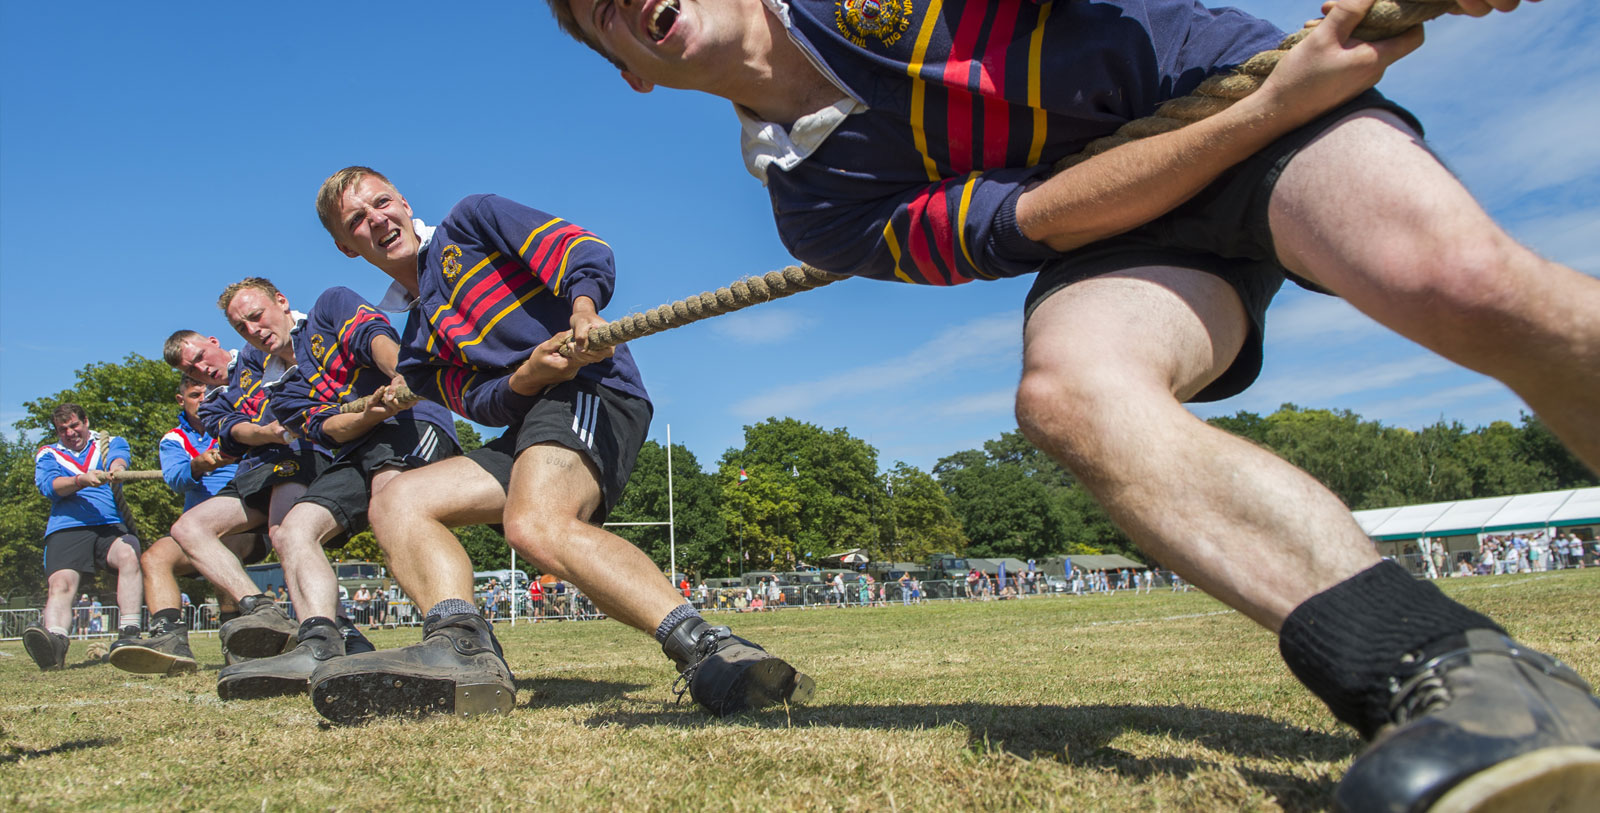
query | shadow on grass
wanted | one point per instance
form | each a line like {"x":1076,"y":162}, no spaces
{"x":538,"y":692}
{"x":1080,"y":736}
{"x":18,"y":754}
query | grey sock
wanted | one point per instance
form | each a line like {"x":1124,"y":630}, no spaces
{"x":452,"y":606}
{"x":679,"y":613}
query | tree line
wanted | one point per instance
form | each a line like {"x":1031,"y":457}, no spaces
{"x":795,"y":492}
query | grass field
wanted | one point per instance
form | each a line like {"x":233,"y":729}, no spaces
{"x":1150,"y":702}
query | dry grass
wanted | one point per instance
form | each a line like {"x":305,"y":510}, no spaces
{"x":1158,"y":702}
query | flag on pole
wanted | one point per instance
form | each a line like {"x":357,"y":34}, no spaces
{"x":1001,"y":578}
{"x":794,"y":470}
{"x":743,"y":477}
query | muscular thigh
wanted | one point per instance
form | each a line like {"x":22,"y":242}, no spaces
{"x":550,"y":480}
{"x":1368,"y":212}
{"x":221,"y":516}
{"x":455,"y":491}
{"x":1168,"y":328}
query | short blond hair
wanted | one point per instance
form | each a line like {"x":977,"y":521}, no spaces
{"x":261,"y":284}
{"x":333,"y":190}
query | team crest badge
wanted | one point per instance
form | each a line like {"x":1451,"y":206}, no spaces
{"x":885,"y":20}
{"x":318,"y":349}
{"x":287,"y":468}
{"x":450,"y":259}
{"x":244,"y":379}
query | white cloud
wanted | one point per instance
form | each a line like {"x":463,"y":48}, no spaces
{"x":1323,"y":384}
{"x":1001,"y":402}
{"x":957,"y":348}
{"x":1314,"y":317}
{"x":761,"y":325}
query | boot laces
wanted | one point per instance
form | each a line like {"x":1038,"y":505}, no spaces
{"x":1426,"y":690}
{"x":705,"y":646}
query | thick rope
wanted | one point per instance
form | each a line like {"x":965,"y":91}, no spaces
{"x":742,"y":294}
{"x":1387,"y":18}
{"x":126,"y":476}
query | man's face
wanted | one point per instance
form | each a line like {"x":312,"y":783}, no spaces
{"x":189,"y":399}
{"x":676,"y":43}
{"x":262,"y":319}
{"x":204,"y":360}
{"x":375,"y":224}
{"x":73,"y":433}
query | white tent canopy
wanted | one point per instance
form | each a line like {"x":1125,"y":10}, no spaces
{"x":1578,"y":506}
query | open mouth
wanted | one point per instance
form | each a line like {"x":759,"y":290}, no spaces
{"x":389,"y":239}
{"x":662,"y":18}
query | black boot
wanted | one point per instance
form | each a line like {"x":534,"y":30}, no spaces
{"x":1487,"y":725}
{"x":457,"y":669}
{"x":354,"y":642}
{"x":727,"y":674}
{"x":165,"y":652}
{"x":262,"y":629}
{"x":48,"y":649}
{"x":319,"y":641}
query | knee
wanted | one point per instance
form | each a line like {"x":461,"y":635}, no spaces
{"x":1064,"y":410}
{"x":537,"y":539}
{"x":62,"y":581}
{"x":164,"y":555}
{"x":398,"y":505}
{"x":1466,"y":283}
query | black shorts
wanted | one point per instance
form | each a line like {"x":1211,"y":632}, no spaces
{"x":596,"y":421}
{"x":1223,"y":231}
{"x":345,"y":487}
{"x":83,"y":548}
{"x":280,"y":465}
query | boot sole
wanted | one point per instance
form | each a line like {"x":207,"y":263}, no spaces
{"x":142,"y":660}
{"x":352,"y":698}
{"x":1551,"y":779}
{"x":770,"y":682}
{"x":40,"y":648}
{"x":255,"y":687}
{"x":260,"y":642}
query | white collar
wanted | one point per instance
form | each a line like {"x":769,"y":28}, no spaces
{"x":765,"y":143}
{"x":397,"y":299}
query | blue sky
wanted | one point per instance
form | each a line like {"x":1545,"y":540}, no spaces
{"x":152,"y":153}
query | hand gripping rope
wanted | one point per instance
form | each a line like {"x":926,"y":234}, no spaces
{"x":1386,"y":18}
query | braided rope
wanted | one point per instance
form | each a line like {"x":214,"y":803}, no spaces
{"x":1387,"y":18}
{"x":741,"y":294}
{"x":126,"y":476}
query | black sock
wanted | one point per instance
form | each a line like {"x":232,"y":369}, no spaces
{"x":170,"y":616}
{"x":682,"y":612}
{"x":1346,"y":642}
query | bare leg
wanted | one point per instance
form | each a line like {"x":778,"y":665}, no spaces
{"x":130,"y":583}
{"x":163,"y":562}
{"x":1106,"y":364}
{"x":553,"y":492}
{"x":61,"y":586}
{"x":298,"y":540}
{"x":199,"y":533}
{"x":412,"y":516}
{"x":1367,"y":212}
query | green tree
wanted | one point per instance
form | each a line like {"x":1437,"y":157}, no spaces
{"x":811,"y":492}
{"x":702,"y":539}
{"x":921,"y":522}
{"x":1540,"y":446}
